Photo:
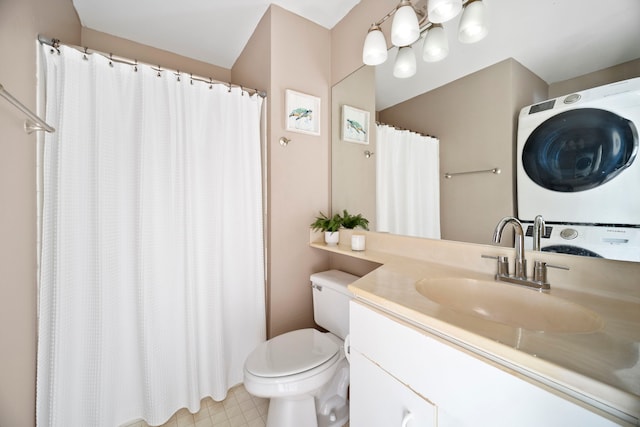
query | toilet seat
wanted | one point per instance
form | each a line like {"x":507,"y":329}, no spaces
{"x":291,"y":353}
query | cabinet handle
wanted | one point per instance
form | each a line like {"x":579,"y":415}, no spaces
{"x":347,"y":347}
{"x":408,"y":416}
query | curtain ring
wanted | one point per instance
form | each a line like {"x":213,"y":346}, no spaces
{"x":85,"y":54}
{"x":55,"y":44}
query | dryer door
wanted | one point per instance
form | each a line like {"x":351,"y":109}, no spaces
{"x":579,"y":149}
{"x":571,"y":250}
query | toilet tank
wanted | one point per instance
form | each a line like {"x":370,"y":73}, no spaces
{"x":331,"y":300}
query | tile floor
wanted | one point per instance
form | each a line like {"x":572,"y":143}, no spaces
{"x":239,"y":409}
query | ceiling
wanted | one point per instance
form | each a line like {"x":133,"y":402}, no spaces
{"x":213,"y":31}
{"x":556,"y":39}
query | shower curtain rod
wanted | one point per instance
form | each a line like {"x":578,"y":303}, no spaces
{"x":399,"y":128}
{"x":55,"y":44}
{"x":33,"y":122}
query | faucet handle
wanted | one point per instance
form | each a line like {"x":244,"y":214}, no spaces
{"x":503,"y":264}
{"x":559,"y":267}
{"x":540,"y":270}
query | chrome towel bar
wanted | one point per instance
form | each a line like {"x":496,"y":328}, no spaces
{"x":33,"y":122}
{"x":494,"y":171}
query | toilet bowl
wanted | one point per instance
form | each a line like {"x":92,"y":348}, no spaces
{"x":305,"y":373}
{"x":292,"y":370}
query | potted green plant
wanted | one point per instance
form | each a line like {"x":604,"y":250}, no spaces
{"x":330,"y":226}
{"x":354,"y":221}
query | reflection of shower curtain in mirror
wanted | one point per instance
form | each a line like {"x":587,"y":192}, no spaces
{"x":407,"y":183}
{"x":152,"y":278}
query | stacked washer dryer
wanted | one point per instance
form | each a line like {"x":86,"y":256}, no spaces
{"x":577,"y":166}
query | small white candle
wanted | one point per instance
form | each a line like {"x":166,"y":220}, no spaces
{"x":357,"y":242}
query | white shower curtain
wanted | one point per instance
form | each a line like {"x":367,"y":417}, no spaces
{"x":151,"y":290}
{"x":407,"y":183}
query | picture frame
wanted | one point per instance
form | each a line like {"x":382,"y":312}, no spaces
{"x":355,"y":125}
{"x":302,"y":112}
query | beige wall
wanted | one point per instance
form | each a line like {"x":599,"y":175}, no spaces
{"x":256,"y":55}
{"x":299,"y":185}
{"x":474,"y":119}
{"x":20,"y":23}
{"x":291,"y":53}
{"x":623,"y":71}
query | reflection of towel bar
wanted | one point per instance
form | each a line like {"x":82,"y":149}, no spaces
{"x":33,"y":122}
{"x":452,"y":174}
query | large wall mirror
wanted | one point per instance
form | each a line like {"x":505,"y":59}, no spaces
{"x":470,"y":101}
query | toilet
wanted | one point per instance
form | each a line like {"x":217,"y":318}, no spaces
{"x":305,"y":373}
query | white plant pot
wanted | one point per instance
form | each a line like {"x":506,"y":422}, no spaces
{"x":331,"y":237}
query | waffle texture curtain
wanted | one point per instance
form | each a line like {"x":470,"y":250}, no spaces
{"x":407,"y":183}
{"x":151,"y":291}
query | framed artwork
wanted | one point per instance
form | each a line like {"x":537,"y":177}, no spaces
{"x":302,"y":112}
{"x":355,"y":125}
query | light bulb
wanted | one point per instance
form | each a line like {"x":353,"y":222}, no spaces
{"x":405,"y":65}
{"x":473,"y":26}
{"x":374,"y":51}
{"x":439,"y":11}
{"x":436,"y":45}
{"x":405,"y":29}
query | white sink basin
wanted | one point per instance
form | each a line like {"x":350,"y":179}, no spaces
{"x":510,"y":305}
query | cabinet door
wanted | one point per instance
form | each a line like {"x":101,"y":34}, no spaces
{"x":466,"y":389}
{"x":380,"y":400}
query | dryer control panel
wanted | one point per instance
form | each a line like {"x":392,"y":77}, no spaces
{"x":619,"y":243}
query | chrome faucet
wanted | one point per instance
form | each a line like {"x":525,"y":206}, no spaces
{"x":521,"y":263}
{"x":539,"y":279}
{"x":538,"y":231}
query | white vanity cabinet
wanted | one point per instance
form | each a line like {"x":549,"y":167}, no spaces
{"x":397,"y":370}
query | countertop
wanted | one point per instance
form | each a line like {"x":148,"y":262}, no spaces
{"x":600,"y":368}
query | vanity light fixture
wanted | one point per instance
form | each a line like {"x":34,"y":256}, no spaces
{"x":409,"y":24}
